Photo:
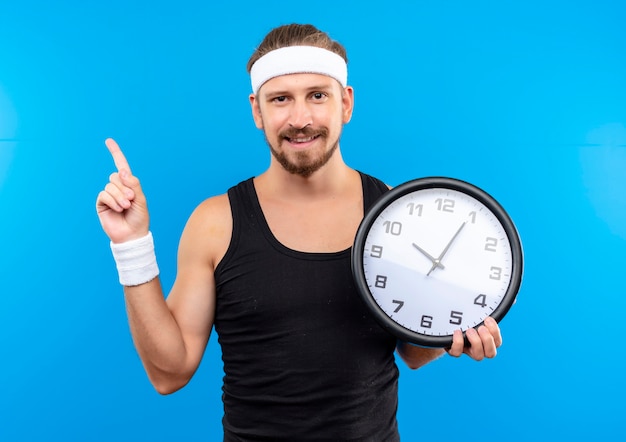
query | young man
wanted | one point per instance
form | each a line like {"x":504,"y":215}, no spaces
{"x":268,"y":264}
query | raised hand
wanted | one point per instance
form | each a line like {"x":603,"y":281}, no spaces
{"x":121,"y":206}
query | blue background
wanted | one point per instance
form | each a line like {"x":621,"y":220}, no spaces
{"x":525,"y":99}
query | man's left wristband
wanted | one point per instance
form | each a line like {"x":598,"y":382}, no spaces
{"x":136,"y":261}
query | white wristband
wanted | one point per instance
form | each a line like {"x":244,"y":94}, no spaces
{"x":136,"y":260}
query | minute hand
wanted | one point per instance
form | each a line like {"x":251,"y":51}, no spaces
{"x":437,"y":262}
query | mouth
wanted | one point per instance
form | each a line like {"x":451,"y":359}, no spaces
{"x":301,"y":140}
{"x":303,"y":137}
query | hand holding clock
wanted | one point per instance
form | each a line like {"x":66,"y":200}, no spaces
{"x":483,"y":342}
{"x":479,"y":344}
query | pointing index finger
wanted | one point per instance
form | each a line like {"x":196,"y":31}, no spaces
{"x":118,"y":157}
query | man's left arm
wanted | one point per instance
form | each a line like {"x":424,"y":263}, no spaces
{"x":416,"y":357}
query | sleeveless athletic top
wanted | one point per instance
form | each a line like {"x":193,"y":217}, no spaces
{"x":303,"y":359}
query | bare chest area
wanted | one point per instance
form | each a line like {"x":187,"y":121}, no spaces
{"x":322,"y":227}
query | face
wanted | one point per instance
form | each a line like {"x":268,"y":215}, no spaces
{"x":302,"y":116}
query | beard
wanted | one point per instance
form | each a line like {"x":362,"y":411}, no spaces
{"x":303,"y":163}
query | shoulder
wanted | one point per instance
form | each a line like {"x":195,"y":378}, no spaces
{"x":369,"y":180}
{"x":209,"y":229}
{"x":214,"y":209}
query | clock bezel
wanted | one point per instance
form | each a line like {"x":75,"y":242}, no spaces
{"x":419,"y":184}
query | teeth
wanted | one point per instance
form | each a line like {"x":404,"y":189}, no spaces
{"x":302,"y":140}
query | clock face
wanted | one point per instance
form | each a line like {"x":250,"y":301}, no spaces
{"x":435,"y":255}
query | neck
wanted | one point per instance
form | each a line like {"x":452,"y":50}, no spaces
{"x":328,"y":181}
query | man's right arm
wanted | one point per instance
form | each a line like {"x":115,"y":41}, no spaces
{"x":170,"y":336}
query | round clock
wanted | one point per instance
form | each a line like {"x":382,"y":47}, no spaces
{"x":435,"y":255}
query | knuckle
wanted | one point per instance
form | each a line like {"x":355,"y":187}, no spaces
{"x":454,"y":353}
{"x":133,"y":180}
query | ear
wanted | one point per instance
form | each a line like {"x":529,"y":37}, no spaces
{"x":256,"y":111}
{"x":347,"y":100}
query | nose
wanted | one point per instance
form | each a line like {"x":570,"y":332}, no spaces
{"x":300,"y":115}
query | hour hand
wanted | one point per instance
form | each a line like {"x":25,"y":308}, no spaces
{"x":434,"y":261}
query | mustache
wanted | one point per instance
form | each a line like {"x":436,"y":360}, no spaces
{"x":304,"y":132}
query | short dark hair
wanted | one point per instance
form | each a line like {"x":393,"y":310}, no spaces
{"x":296,"y":35}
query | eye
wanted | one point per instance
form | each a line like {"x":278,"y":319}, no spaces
{"x":279,"y":99}
{"x":318,"y":96}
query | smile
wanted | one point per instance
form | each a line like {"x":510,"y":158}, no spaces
{"x":301,"y":140}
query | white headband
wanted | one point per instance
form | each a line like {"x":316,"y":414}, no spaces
{"x":298,"y":60}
